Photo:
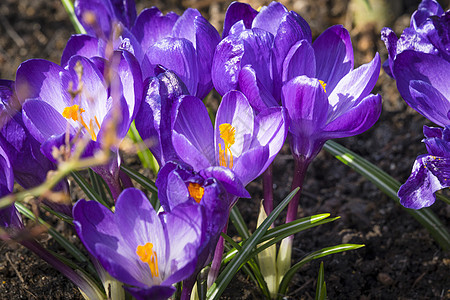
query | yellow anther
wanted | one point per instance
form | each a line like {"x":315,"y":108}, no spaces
{"x":324,"y":85}
{"x":196,"y":191}
{"x":147,"y":255}
{"x":228,"y":135}
{"x":74,"y":112}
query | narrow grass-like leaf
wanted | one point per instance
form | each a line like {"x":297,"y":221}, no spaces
{"x":239,"y":223}
{"x":390,"y":186}
{"x":141,"y":179}
{"x":69,"y":247}
{"x":68,"y":6}
{"x":321,"y":288}
{"x":87,"y":188}
{"x":312,"y":256}
{"x":235,"y":264}
{"x":145,"y":155}
{"x":59,"y":215}
{"x":97,"y":183}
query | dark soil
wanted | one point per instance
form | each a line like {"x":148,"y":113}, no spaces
{"x":400,"y":259}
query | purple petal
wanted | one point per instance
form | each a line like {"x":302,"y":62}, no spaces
{"x":269,"y":17}
{"x":152,"y":26}
{"x":354,"y":87}
{"x":411,"y":65}
{"x":334,"y":55}
{"x":257,"y":94}
{"x":125,"y":11}
{"x":390,"y":40}
{"x":104,"y":16}
{"x":429,"y":102}
{"x":426,"y":9}
{"x":6,"y":174}
{"x":356,"y":119}
{"x":429,"y":174}
{"x":228,"y":179}
{"x":179,"y":56}
{"x":236,"y":111}
{"x":83,"y":45}
{"x":184,"y":26}
{"x":193,"y":134}
{"x":251,"y":164}
{"x":236,"y":12}
{"x":432,"y":132}
{"x":300,"y":60}
{"x":157,"y":292}
{"x":38,"y":78}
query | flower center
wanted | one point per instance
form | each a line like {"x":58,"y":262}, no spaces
{"x":147,"y":255}
{"x":324,"y":85}
{"x":196,"y":191}
{"x":74,"y":112}
{"x":227,"y":133}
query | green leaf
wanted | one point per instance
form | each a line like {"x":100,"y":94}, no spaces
{"x":97,"y":183}
{"x":239,"y":223}
{"x":88,"y":189}
{"x":59,"y":215}
{"x":235,"y":264}
{"x":141,"y":179}
{"x":321,"y":288}
{"x":68,"y":5}
{"x":145,"y":156}
{"x":390,"y":186}
{"x":69,"y":247}
{"x":312,"y":256}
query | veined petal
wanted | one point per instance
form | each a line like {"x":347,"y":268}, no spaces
{"x":355,"y":86}
{"x":429,"y":102}
{"x":193,"y":133}
{"x":236,"y":111}
{"x":151,"y":26}
{"x":257,"y":94}
{"x":103,"y":12}
{"x":177,"y":55}
{"x":251,"y":164}
{"x":6,"y":174}
{"x":236,"y":12}
{"x":390,"y":40}
{"x":125,"y":11}
{"x":426,"y":9}
{"x":184,"y":26}
{"x":83,"y":45}
{"x":228,"y":179}
{"x":334,"y":55}
{"x":430,"y":174}
{"x":156,"y":292}
{"x":269,"y":17}
{"x":355,"y":119}
{"x":300,"y":60}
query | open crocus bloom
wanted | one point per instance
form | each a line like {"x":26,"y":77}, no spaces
{"x":428,"y":33}
{"x":431,"y":172}
{"x":184,"y":44}
{"x":240,"y":141}
{"x":140,"y":248}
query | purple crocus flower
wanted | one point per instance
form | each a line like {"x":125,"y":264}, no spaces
{"x":431,"y":172}
{"x":184,"y":44}
{"x":240,"y":141}
{"x":428,"y":33}
{"x":77,"y":99}
{"x":146,"y":251}
{"x":29,"y":165}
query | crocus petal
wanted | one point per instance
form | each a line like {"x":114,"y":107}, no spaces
{"x":429,"y":174}
{"x":177,"y":55}
{"x":429,"y":102}
{"x":42,"y":120}
{"x":103,"y":12}
{"x":185,"y":227}
{"x":355,"y":86}
{"x":236,"y":111}
{"x":125,"y":11}
{"x":6,"y":174}
{"x":83,"y":45}
{"x":411,"y":65}
{"x":38,"y":78}
{"x":257,"y":94}
{"x":356,"y":119}
{"x":151,"y":26}
{"x":269,"y":17}
{"x":236,"y":12}
{"x":334,"y":55}
{"x":253,"y":47}
{"x":193,"y":133}
{"x":184,"y":26}
{"x":426,"y":9}
{"x":228,"y":179}
{"x":390,"y":40}
{"x":157,"y":292}
{"x":251,"y":164}
{"x":432,"y":132}
{"x":293,"y":28}
{"x":300,"y":60}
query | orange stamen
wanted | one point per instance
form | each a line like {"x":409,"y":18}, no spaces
{"x":74,"y":112}
{"x":147,"y":255}
{"x":196,"y":191}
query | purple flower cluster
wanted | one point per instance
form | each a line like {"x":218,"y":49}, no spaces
{"x":420,"y":63}
{"x":155,"y":69}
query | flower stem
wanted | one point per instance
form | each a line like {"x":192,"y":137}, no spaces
{"x":301,"y":166}
{"x":217,"y":259}
{"x":268,"y":190}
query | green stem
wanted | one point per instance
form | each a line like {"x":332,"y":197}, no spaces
{"x":68,"y":6}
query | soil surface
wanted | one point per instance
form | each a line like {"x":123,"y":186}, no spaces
{"x":400,"y":259}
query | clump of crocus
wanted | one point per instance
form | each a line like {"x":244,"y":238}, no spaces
{"x":148,"y":252}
